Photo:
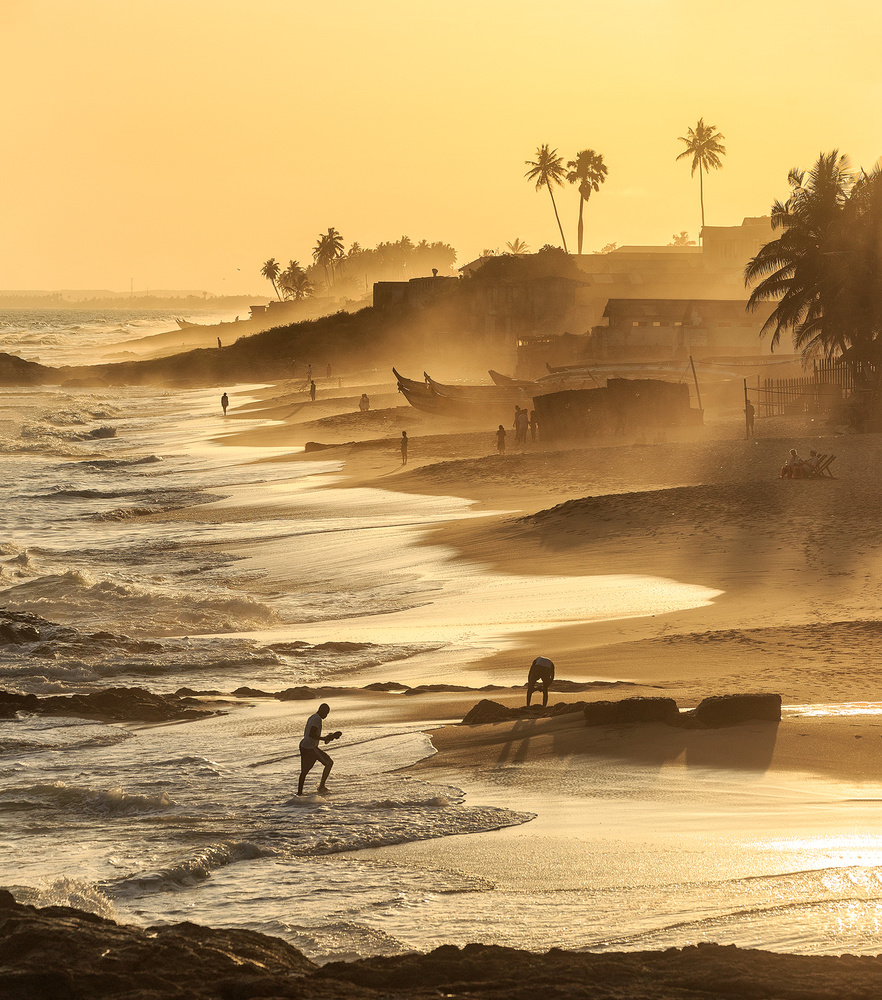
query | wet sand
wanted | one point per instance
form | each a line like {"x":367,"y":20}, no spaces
{"x":791,"y":570}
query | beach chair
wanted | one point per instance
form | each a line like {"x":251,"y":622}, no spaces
{"x":823,"y":468}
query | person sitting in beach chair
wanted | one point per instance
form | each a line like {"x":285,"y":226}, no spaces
{"x":820,"y":468}
{"x":541,"y":674}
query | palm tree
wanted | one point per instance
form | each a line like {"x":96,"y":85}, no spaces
{"x":547,"y":170}
{"x":328,"y":251}
{"x":808,"y":270}
{"x":589,"y":172}
{"x":517,"y":246}
{"x":704,"y":146}
{"x":270,"y":271}
{"x":294,"y":281}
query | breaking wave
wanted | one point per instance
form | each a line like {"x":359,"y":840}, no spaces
{"x":187,"y":871}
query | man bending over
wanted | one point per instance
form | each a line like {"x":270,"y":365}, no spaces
{"x":541,"y":673}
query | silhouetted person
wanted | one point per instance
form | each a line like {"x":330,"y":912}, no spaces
{"x":516,"y":424}
{"x":500,"y":440}
{"x":309,"y":748}
{"x":225,"y":402}
{"x":541,"y":674}
{"x":218,"y":339}
{"x":312,"y":390}
{"x":748,"y":417}
{"x":404,"y":447}
{"x":328,"y":372}
{"x":793,"y":466}
{"x":364,"y":404}
{"x":534,"y":425}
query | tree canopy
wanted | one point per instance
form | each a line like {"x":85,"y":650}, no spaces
{"x":824,"y":271}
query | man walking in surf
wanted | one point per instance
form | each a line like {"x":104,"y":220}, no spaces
{"x":309,"y":748}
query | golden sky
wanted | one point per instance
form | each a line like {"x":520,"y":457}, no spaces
{"x":179,"y":143}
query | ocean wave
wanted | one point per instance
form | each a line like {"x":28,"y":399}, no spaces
{"x":143,"y":608}
{"x":187,"y":871}
{"x":100,"y":464}
{"x":67,"y":892}
{"x":113,"y":801}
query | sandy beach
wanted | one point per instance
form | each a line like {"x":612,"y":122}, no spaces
{"x":789,"y":566}
{"x":683,"y":569}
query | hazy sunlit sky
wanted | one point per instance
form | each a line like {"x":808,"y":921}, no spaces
{"x":180,"y":143}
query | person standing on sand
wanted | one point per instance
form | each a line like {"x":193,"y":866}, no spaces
{"x":364,"y":404}
{"x":309,"y":748}
{"x":225,"y":402}
{"x":542,"y":674}
{"x":404,"y":447}
{"x":328,"y":372}
{"x":218,"y":340}
{"x":748,"y":417}
{"x":312,"y":390}
{"x":534,"y":426}
{"x":517,"y":424}
{"x":500,"y":440}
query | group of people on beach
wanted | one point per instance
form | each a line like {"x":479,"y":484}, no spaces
{"x":523,"y":421}
{"x":800,"y":468}
{"x":540,"y":676}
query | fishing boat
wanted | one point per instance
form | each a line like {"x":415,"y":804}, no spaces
{"x":480,"y":401}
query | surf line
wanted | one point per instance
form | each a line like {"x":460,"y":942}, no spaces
{"x":343,"y":746}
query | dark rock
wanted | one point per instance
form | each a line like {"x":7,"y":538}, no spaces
{"x":59,"y":953}
{"x":487,"y":711}
{"x":614,"y":713}
{"x":736,"y":709}
{"x":113,"y":704}
{"x":247,"y":692}
{"x":386,"y":686}
{"x":305,"y":693}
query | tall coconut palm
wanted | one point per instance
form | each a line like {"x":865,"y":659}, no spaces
{"x":589,"y":172}
{"x":807,"y":269}
{"x":548,"y":170}
{"x":327,"y":252}
{"x":294,"y":281}
{"x":704,"y":145}
{"x":270,"y":271}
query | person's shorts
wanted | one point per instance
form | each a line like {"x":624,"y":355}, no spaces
{"x":540,"y":675}
{"x":309,"y":756}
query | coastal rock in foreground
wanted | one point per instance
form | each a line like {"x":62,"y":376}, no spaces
{"x":736,"y":709}
{"x":613,"y":713}
{"x":65,"y":954}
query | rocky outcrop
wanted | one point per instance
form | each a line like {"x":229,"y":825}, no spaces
{"x":110,"y":705}
{"x":64,"y":953}
{"x":613,"y":713}
{"x":711,"y":713}
{"x":58,"y":953}
{"x":16,"y":371}
{"x":736,"y":709}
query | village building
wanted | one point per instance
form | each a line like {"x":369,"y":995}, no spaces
{"x":656,"y":302}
